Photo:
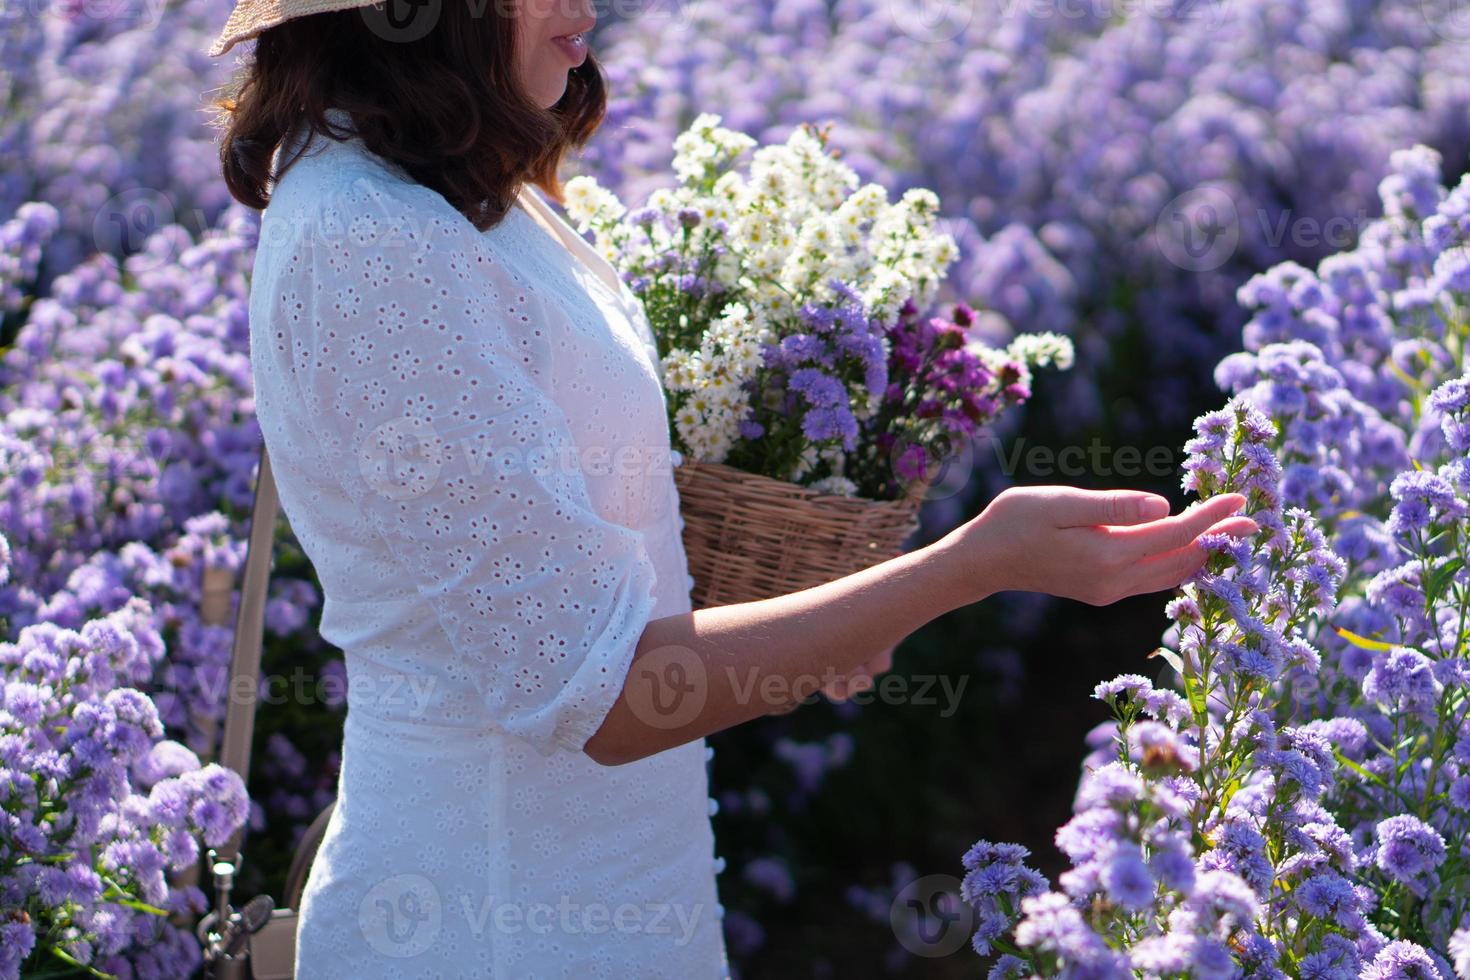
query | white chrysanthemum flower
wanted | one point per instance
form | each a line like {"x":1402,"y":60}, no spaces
{"x":800,"y":270}
{"x":771,"y":183}
{"x":712,"y":209}
{"x":736,"y":321}
{"x":776,"y":303}
{"x":806,"y":463}
{"x":701,"y":401}
{"x":849,"y":227}
{"x":709,"y":434}
{"x":870,"y":200}
{"x":752,"y":230}
{"x":730,"y":187}
{"x":728,"y":396}
{"x":997,"y":358}
{"x":727,"y":271}
{"x":943,"y":251}
{"x":840,"y":486}
{"x":707,"y":145}
{"x":708,"y":366}
{"x":921,"y":201}
{"x":764,"y":263}
{"x":664,"y":200}
{"x":846,"y":267}
{"x":589,"y":203}
{"x":688,"y":421}
{"x":1043,"y":349}
{"x":678,"y":369}
{"x":886,"y":290}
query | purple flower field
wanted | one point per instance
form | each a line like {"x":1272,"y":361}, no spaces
{"x":1296,"y":802}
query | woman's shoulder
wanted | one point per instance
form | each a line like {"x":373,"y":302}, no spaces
{"x":341,"y":185}
{"x":347,"y":209}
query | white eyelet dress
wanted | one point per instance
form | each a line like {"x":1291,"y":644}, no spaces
{"x":469,"y":437}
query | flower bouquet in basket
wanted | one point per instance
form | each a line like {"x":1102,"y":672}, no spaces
{"x":810,"y":392}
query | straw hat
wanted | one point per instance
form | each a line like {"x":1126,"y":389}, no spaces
{"x":250,"y":17}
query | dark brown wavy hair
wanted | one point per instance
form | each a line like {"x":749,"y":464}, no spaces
{"x":444,"y":106}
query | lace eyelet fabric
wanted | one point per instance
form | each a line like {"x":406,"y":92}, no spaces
{"x":470,"y":441}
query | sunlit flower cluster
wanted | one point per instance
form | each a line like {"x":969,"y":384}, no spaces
{"x":1310,"y":760}
{"x":96,"y":807}
{"x":780,"y":289}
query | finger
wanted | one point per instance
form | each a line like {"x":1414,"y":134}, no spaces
{"x":1084,"y":508}
{"x":882,"y":663}
{"x":1236,"y":527}
{"x":836,"y":690}
{"x":1173,"y":533}
{"x":1166,"y":571}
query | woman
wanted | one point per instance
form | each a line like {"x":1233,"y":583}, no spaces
{"x":464,"y":414}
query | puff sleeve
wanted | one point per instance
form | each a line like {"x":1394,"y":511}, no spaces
{"x":413,"y":347}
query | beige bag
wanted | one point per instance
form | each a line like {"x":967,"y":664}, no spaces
{"x":258,"y":940}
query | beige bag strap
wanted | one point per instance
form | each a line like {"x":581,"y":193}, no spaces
{"x":244,"y":686}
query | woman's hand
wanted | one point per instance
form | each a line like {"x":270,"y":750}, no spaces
{"x":1096,"y":546}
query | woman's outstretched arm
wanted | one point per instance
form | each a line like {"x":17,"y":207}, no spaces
{"x":704,"y":671}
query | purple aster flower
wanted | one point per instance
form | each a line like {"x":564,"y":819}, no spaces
{"x":1134,"y":686}
{"x":17,"y":939}
{"x":1128,"y":880}
{"x":996,"y":880}
{"x":1403,"y":678}
{"x":1422,"y":495}
{"x":1409,"y":850}
{"x":1402,"y":960}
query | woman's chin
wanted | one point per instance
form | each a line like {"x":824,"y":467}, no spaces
{"x":549,"y":95}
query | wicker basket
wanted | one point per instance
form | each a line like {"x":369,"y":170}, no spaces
{"x":751,"y":537}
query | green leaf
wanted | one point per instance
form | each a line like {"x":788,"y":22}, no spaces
{"x":1362,"y":641}
{"x":140,"y":906}
{"x":75,"y":963}
{"x":1371,"y":777}
{"x":1196,"y":698}
{"x":1171,"y":658}
{"x":1441,"y":575}
{"x":1404,"y":376}
{"x":1229,"y":792}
